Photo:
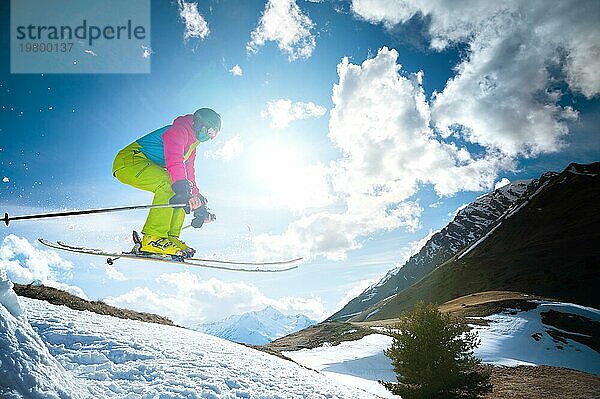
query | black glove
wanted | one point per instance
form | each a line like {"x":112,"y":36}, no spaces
{"x":202,"y":215}
{"x":203,"y":199}
{"x":183,"y":193}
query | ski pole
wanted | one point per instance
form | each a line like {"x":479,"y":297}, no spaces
{"x":8,"y":218}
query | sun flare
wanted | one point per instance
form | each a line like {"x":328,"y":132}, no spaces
{"x":288,"y":178}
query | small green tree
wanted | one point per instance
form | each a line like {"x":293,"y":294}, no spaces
{"x":432,"y":354}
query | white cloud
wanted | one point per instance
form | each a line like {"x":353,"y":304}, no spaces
{"x":503,"y":101}
{"x":380,"y":122}
{"x":143,"y":299}
{"x":288,"y":181}
{"x":236,"y":70}
{"x":355,"y":291}
{"x":114,"y":274}
{"x":504,"y":94}
{"x":282,"y":21}
{"x":501,"y":183}
{"x":71,"y":289}
{"x":389,"y":12}
{"x":230,"y":150}
{"x":195,"y":24}
{"x":282,"y":112}
{"x":25,"y":264}
{"x":582,"y":63}
{"x":311,"y":307}
{"x":331,"y":234}
{"x":415,"y":246}
{"x":188,"y":300}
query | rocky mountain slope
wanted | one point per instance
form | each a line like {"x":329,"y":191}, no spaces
{"x":546,"y":244}
{"x":469,"y":225}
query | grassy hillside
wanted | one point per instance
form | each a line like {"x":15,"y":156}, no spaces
{"x":60,"y":297}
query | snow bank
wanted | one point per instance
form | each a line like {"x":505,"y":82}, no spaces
{"x":514,"y":338}
{"x":8,"y":298}
{"x":358,"y":363}
{"x":27,"y":370}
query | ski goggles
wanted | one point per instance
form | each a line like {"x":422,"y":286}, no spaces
{"x":207,"y":133}
{"x":212,"y":132}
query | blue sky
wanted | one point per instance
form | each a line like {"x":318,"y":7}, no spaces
{"x":351,"y":130}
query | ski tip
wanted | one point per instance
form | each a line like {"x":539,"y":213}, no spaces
{"x":47,"y":243}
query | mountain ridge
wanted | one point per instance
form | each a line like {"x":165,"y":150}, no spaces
{"x":545,"y":245}
{"x":469,"y":225}
{"x":256,"y":327}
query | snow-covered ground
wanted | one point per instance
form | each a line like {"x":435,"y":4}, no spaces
{"x":514,"y":338}
{"x":358,"y":363}
{"x":49,"y":351}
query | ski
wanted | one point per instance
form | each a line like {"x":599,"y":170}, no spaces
{"x":137,"y":242}
{"x":267,"y":267}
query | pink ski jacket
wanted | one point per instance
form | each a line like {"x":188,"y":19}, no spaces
{"x":174,"y":148}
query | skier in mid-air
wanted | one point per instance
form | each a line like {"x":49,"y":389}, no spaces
{"x":163,"y":162}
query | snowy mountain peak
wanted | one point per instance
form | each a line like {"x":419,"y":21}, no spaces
{"x":586,"y":170}
{"x":514,"y":191}
{"x":256,"y":327}
{"x":269,"y":311}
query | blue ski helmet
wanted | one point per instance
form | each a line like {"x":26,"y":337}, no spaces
{"x":207,"y":124}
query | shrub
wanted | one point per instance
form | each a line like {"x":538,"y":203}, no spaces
{"x":432,"y":355}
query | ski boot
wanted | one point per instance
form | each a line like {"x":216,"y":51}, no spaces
{"x":159,"y":246}
{"x":188,"y":251}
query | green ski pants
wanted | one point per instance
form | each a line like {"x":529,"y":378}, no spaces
{"x":133,"y":168}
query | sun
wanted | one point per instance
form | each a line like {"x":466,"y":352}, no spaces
{"x":282,"y":170}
